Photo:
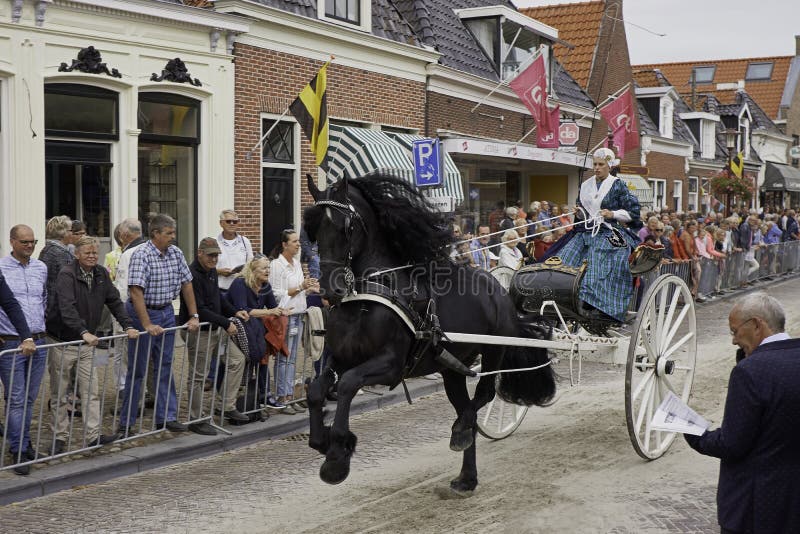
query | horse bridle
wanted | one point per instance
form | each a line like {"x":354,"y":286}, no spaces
{"x":350,"y":218}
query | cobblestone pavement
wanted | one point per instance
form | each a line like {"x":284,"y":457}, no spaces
{"x":568,"y":468}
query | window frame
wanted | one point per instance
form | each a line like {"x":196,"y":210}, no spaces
{"x":174,"y":140}
{"x":295,"y":167}
{"x":365,"y":15}
{"x":81,"y":89}
{"x":695,"y":71}
{"x":690,"y":207}
{"x":768,"y":77}
{"x":655,"y":184}
{"x":677,"y":195}
{"x":666,"y":116}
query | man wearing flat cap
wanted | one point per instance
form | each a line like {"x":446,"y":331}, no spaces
{"x":203,"y":345}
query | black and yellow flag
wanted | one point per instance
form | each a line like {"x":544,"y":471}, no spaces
{"x":737,"y":165}
{"x":310,"y":109}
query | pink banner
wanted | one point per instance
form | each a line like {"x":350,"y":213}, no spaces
{"x":620,"y":115}
{"x":531,"y":87}
{"x":547,"y":133}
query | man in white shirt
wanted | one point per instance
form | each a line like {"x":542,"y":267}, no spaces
{"x":236,"y":249}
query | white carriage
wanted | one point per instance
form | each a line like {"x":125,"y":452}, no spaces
{"x":658,"y":345}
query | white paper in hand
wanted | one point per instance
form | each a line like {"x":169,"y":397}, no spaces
{"x":673,"y":415}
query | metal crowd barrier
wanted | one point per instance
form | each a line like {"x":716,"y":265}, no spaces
{"x":56,"y":399}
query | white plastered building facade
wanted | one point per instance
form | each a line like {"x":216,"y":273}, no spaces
{"x":106,"y":144}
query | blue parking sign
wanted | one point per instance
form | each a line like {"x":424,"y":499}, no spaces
{"x":427,"y":162}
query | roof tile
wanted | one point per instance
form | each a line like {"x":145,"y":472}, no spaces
{"x":577,"y":24}
{"x":766,"y":93}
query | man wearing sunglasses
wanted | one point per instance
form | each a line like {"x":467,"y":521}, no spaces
{"x":757,"y":443}
{"x":235,"y":248}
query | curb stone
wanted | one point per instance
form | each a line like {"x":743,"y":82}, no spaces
{"x":101,"y":468}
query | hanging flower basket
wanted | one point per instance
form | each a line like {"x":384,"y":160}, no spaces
{"x":725,"y":183}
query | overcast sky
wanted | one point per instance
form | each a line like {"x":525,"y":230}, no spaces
{"x":705,"y":29}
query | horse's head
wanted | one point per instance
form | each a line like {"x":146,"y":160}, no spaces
{"x":336,"y":223}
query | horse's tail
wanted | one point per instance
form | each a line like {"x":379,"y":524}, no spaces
{"x":528,"y":387}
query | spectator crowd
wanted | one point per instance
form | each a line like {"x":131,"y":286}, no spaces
{"x":236,"y":309}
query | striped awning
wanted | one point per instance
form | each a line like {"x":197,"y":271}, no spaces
{"x":639,"y":187}
{"x":354,"y":152}
{"x":452,"y":186}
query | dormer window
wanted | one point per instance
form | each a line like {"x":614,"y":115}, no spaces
{"x":507,"y":37}
{"x":708,"y":135}
{"x":759,"y":71}
{"x":704,"y":74}
{"x":353,"y":13}
{"x":665,"y":120}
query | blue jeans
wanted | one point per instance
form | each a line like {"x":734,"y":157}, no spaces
{"x":156,"y":349}
{"x":21,"y":376}
{"x":285,"y":366}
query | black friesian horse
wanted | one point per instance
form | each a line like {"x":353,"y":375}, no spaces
{"x":379,"y":222}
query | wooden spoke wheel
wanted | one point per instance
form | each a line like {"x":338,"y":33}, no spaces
{"x":661,"y":358}
{"x":498,"y":419}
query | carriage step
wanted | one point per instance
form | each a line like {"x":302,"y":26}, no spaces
{"x":450,"y":361}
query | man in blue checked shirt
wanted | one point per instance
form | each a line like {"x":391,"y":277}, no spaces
{"x":157,"y":274}
{"x":22,"y":373}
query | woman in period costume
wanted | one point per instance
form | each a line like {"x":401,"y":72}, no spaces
{"x":605,"y":240}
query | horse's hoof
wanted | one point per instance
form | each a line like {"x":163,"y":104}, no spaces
{"x":333,"y":472}
{"x":461,"y":440}
{"x":448,"y":493}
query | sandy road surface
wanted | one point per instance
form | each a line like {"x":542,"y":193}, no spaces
{"x":568,"y":468}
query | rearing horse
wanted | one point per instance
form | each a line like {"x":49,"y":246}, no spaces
{"x":379,"y":237}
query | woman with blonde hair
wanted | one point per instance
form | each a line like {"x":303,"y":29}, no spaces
{"x":251,"y":292}
{"x":510,"y":255}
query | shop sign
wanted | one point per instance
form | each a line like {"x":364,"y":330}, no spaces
{"x":442,"y":204}
{"x":568,"y":133}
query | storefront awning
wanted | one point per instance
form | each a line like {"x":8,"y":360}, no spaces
{"x":780,"y":177}
{"x":354,"y":152}
{"x":452,"y":177}
{"x":639,"y":187}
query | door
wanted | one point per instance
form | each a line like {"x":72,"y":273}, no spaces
{"x":277,"y":205}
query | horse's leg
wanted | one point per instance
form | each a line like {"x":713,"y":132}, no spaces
{"x":464,"y":431}
{"x":319,"y":434}
{"x":382,"y":369}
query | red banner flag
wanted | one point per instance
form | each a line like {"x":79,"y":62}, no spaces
{"x":620,"y":114}
{"x":547,"y":133}
{"x":531,"y":87}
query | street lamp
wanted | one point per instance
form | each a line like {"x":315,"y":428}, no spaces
{"x":730,"y":144}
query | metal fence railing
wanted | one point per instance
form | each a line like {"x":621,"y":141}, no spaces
{"x":716,"y":276}
{"x":79,"y":405}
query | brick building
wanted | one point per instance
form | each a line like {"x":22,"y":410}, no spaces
{"x":376,"y":85}
{"x":483,"y":125}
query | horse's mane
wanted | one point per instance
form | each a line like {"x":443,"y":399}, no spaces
{"x":415,"y":231}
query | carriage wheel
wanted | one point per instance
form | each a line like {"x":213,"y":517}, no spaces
{"x":503,"y":274}
{"x":498,"y":419}
{"x":661,"y":358}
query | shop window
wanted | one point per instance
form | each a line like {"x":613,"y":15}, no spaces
{"x":75,"y":110}
{"x":167,"y":162}
{"x":279,"y":171}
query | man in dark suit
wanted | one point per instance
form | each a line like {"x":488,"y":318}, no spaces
{"x":759,"y":440}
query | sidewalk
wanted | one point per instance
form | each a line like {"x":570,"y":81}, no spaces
{"x":91,"y":469}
